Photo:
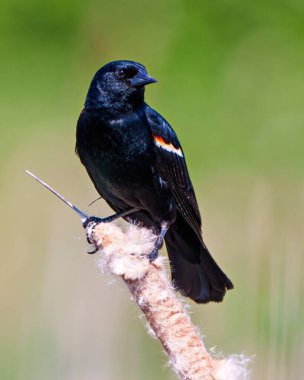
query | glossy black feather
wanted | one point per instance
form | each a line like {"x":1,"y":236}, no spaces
{"x":134,"y":159}
{"x":173,"y":169}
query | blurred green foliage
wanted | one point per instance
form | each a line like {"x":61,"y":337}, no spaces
{"x":231,"y":83}
{"x":236,"y":68}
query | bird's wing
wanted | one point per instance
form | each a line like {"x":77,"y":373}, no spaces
{"x":171,"y":165}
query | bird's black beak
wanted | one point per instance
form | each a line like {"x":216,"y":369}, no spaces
{"x":141,"y":79}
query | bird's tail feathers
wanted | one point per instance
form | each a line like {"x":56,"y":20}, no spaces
{"x":194,"y":271}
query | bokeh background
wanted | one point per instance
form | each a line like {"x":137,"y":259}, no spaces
{"x":231,"y":82}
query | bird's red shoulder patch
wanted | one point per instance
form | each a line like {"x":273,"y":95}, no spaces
{"x":169,"y":147}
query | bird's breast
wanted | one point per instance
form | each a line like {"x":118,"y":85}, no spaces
{"x":118,"y":151}
{"x":125,"y":142}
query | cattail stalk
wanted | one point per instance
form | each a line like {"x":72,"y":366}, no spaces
{"x":125,"y":254}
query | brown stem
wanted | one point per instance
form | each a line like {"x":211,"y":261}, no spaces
{"x":171,"y":324}
{"x":125,"y":254}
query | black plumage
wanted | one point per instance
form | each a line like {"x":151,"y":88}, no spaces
{"x":136,"y":163}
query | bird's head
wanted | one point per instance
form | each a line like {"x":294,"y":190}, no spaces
{"x":118,"y":86}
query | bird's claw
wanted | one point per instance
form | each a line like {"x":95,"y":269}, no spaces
{"x":94,"y":250}
{"x":91,"y":222}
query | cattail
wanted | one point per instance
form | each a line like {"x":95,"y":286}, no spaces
{"x":124,"y":254}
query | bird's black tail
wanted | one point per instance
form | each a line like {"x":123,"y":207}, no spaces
{"x":194,"y":272}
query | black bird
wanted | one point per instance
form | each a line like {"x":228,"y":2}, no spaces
{"x":137,"y":165}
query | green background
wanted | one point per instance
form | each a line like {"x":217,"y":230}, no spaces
{"x":231,"y":82}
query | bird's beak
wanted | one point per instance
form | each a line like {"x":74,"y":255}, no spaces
{"x":141,"y":79}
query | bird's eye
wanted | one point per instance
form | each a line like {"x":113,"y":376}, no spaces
{"x":126,"y":73}
{"x":121,"y":73}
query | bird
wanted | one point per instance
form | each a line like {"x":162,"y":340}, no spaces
{"x":137,"y":165}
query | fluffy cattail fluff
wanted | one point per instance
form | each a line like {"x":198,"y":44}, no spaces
{"x":125,"y":254}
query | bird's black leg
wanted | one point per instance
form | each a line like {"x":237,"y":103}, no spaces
{"x":108,"y":219}
{"x":164,"y":228}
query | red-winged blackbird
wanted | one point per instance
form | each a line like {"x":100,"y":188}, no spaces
{"x":137,"y":165}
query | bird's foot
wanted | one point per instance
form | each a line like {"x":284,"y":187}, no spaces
{"x":89,"y":224}
{"x":94,"y":220}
